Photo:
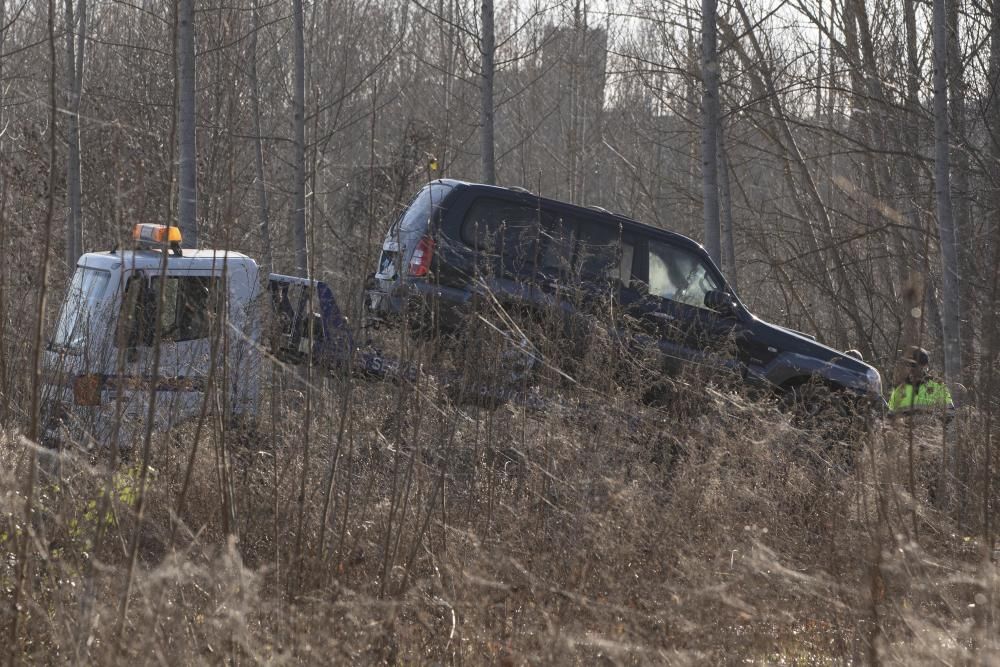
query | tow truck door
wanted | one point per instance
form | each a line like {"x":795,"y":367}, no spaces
{"x":193,"y":301}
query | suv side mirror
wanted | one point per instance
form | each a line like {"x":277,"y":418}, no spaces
{"x":721,"y":302}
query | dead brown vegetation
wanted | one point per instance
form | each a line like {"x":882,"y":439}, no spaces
{"x":703,"y":528}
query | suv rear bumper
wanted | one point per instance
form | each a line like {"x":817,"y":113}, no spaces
{"x":418,"y":300}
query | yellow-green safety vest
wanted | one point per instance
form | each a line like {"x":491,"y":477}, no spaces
{"x":931,"y":395}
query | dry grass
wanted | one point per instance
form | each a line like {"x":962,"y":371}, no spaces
{"x":600,"y":529}
{"x":690,"y":524}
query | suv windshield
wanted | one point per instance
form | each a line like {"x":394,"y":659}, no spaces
{"x":85,"y":292}
{"x":419,"y":211}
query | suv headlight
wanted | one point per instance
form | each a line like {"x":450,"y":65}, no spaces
{"x":874,"y":381}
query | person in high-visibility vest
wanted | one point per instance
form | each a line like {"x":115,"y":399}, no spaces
{"x":919,"y":392}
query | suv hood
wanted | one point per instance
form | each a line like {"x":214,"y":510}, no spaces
{"x":788,"y":340}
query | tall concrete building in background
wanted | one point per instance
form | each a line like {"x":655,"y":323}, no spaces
{"x":573,"y":77}
{"x":565,"y":133}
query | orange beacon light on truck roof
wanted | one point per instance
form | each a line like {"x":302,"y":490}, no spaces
{"x":156,"y":233}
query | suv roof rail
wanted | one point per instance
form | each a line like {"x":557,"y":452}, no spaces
{"x":599,"y":208}
{"x":518,"y":188}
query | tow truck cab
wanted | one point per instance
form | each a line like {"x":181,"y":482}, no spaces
{"x":214,"y":311}
{"x":102,"y":361}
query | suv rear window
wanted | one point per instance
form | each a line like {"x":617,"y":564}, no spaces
{"x":419,"y":211}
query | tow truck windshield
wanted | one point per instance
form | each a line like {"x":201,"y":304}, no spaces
{"x":85,"y":292}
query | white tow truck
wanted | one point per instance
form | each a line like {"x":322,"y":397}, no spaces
{"x":157,"y":319}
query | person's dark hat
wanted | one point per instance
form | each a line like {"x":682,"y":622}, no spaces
{"x":917,"y":356}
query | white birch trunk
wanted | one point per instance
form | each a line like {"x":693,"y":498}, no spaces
{"x":726,"y":209}
{"x":74,"y":88}
{"x":187,"y":167}
{"x":486,"y":129}
{"x":299,"y":159}
{"x":262,"y":204}
{"x":710,"y":130}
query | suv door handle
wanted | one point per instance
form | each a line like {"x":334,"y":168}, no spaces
{"x":659,"y":315}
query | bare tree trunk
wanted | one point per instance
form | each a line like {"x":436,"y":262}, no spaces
{"x":992,"y":118}
{"x":951,"y":305}
{"x":913,"y":294}
{"x":573,"y":146}
{"x":74,"y":89}
{"x":992,"y":112}
{"x":299,"y":160}
{"x":262,"y":204}
{"x":726,"y":201}
{"x":4,"y":388}
{"x":819,"y":65}
{"x":860,"y":115}
{"x":691,"y":109}
{"x":3,"y":90}
{"x":710,"y":130}
{"x":960,"y":190}
{"x":23,"y":560}
{"x":486,"y":129}
{"x":187,"y":168}
{"x":448,"y":47}
{"x":879,"y":112}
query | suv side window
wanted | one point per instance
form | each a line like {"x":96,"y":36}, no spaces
{"x":502,"y":228}
{"x":555,"y":259}
{"x":679,"y":275}
{"x":604,"y":253}
{"x":625,"y":265}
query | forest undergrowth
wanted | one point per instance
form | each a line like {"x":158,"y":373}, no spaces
{"x":395,"y":523}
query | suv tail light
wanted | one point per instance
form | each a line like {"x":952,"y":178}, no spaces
{"x":420,"y":262}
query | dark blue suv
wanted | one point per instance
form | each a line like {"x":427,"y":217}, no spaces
{"x":457,"y":241}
